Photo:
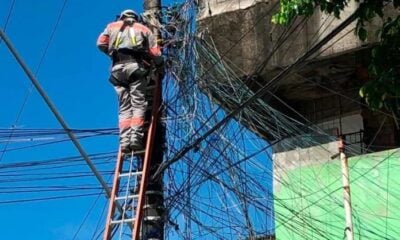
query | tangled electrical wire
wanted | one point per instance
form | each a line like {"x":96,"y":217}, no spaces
{"x":221,"y":178}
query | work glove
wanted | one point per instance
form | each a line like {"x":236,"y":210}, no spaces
{"x":159,"y":61}
{"x":159,"y":64}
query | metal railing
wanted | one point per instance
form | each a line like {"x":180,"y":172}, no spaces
{"x":354,"y":142}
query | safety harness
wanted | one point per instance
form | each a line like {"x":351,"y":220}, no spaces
{"x":137,"y":53}
{"x":124,"y":55}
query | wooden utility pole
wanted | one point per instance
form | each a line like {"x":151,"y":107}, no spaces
{"x":346,"y":190}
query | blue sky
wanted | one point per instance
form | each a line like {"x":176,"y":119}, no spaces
{"x":75,"y":76}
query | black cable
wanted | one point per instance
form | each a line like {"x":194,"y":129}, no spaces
{"x":8,"y":18}
{"x":87,"y":214}
{"x":28,"y":92}
{"x":47,"y":198}
{"x":259,"y":93}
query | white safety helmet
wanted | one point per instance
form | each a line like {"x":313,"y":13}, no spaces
{"x":128,"y":13}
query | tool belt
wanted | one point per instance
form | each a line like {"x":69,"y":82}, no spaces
{"x":126,"y":56}
{"x":118,"y":78}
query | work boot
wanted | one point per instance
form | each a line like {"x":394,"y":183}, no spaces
{"x":126,"y":149}
{"x":136,"y":146}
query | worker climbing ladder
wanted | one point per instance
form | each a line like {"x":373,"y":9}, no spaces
{"x":130,"y":180}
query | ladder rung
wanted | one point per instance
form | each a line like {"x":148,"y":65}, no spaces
{"x":153,"y":206}
{"x":153,"y":192}
{"x":152,"y":218}
{"x":128,"y":220}
{"x":127,"y":197}
{"x":130,"y":174}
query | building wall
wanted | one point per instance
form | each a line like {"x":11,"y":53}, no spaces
{"x":243,"y":30}
{"x":381,"y":131}
{"x":308,"y":201}
{"x":209,"y":8}
{"x":298,"y":158}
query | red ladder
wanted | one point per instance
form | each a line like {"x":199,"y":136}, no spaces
{"x":130,"y":173}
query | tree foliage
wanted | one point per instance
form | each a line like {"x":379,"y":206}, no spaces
{"x":382,"y":91}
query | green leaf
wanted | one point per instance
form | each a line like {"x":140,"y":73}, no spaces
{"x":375,"y":52}
{"x":362,"y":92}
{"x":323,"y":6}
{"x":274,"y":19}
{"x":373,"y":70}
{"x":329,"y":7}
{"x":336,"y":12}
{"x":362,"y":33}
{"x":379,"y":11}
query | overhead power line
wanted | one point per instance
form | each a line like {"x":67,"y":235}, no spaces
{"x":41,"y":60}
{"x":54,"y":110}
{"x":8,"y":16}
{"x":259,"y":93}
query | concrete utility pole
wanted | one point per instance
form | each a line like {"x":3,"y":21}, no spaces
{"x":154,"y":213}
{"x":346,"y":191}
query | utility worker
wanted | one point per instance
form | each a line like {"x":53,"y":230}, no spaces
{"x":130,"y":46}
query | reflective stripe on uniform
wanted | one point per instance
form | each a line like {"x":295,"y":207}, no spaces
{"x":155,"y":51}
{"x":103,"y":40}
{"x":132,"y":35}
{"x":137,"y":121}
{"x":118,"y":40}
{"x":125,"y":123}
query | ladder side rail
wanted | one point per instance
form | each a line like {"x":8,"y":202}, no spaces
{"x":147,"y":159}
{"x":115,"y":187}
{"x":125,"y":198}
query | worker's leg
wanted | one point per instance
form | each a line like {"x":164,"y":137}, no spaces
{"x":125,"y":117}
{"x":139,"y":105}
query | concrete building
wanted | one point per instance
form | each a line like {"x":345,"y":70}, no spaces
{"x":325,"y":88}
{"x":324,"y":91}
